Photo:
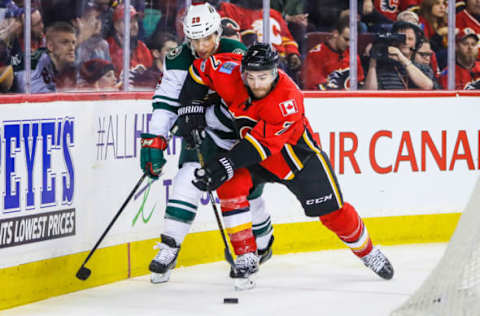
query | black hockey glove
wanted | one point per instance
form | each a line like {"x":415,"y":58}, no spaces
{"x":191,"y":117}
{"x":215,"y":173}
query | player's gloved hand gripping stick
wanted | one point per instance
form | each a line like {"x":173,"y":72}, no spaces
{"x":83,"y":272}
{"x":228,"y":256}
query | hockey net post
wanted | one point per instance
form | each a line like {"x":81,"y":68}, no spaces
{"x":453,"y":287}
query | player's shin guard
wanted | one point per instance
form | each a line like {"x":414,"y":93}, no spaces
{"x":236,"y":212}
{"x":182,"y":204}
{"x":349,"y":227}
{"x":238,"y":224}
{"x":262,"y":229}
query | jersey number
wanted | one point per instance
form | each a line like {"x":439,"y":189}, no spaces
{"x":286,"y":125}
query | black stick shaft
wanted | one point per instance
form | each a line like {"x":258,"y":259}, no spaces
{"x":139,"y":182}
{"x":228,"y":255}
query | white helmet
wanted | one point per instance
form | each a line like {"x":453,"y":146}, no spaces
{"x":201,"y":20}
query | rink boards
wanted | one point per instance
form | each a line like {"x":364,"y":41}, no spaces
{"x":407,"y":161}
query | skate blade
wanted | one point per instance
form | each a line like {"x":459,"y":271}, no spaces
{"x":157,"y":278}
{"x":244,"y":284}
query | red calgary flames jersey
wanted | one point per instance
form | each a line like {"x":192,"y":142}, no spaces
{"x":275,"y":127}
{"x":326,"y":68}
{"x":465,"y":21}
{"x":463,"y":77}
{"x":251,"y":21}
{"x":391,"y":8}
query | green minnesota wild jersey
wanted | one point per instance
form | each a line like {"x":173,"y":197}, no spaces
{"x":165,"y":100}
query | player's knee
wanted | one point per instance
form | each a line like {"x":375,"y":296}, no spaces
{"x":183,"y":188}
{"x":316,"y":207}
{"x":239,"y":185}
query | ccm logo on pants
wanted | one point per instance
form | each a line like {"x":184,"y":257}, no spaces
{"x":319,"y":200}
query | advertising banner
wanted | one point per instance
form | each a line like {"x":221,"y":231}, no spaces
{"x":67,"y":167}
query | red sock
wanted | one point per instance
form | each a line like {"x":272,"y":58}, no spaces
{"x":243,"y":241}
{"x":349,"y":227}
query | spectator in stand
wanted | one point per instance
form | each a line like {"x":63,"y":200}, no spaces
{"x":55,"y":70}
{"x":91,"y":45}
{"x":140,"y":56}
{"x":37,"y":35}
{"x":408,"y":16}
{"x":106,"y":16}
{"x":380,"y":14}
{"x":425,"y":46}
{"x":7,"y":77}
{"x":12,"y":34}
{"x":248,"y":15}
{"x":293,"y":11}
{"x":467,"y":68}
{"x":433,"y":19}
{"x":392,"y":68}
{"x":230,"y":29}
{"x":160,"y":45}
{"x":470,"y":17}
{"x":426,"y":56}
{"x":139,"y":6}
{"x":99,"y":75}
{"x":327,"y":65}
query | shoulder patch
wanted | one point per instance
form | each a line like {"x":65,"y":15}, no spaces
{"x":228,"y":67}
{"x":288,"y":107}
{"x":239,"y":51}
{"x":174,"y":52}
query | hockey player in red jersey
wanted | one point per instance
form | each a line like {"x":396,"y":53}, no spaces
{"x":276,"y":145}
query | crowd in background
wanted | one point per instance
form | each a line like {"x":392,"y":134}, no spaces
{"x":77,"y":45}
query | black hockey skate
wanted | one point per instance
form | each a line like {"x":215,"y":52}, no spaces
{"x":165,"y":260}
{"x":246,"y":266}
{"x":266,"y":254}
{"x":379,"y":264}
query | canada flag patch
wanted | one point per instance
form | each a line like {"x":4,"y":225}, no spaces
{"x":288,"y":107}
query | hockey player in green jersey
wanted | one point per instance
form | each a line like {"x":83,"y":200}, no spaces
{"x":202,"y":28}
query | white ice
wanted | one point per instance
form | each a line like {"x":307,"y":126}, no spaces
{"x":330,"y":283}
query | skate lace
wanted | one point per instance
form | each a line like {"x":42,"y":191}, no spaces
{"x":165,"y":253}
{"x":376,"y":260}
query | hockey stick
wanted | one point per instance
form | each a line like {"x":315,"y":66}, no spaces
{"x":228,"y":255}
{"x":83,"y":272}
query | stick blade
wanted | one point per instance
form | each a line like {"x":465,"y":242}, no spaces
{"x":83,"y":273}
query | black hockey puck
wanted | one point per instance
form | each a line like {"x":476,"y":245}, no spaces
{"x":230,"y":300}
